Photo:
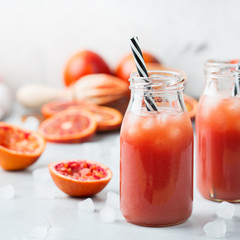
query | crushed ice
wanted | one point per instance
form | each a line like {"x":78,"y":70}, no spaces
{"x":113,"y":200}
{"x":225,"y":210}
{"x":86,"y":205}
{"x":215,"y":229}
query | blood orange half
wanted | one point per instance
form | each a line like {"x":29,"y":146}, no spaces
{"x":80,"y":178}
{"x":69,"y":126}
{"x":19,"y":148}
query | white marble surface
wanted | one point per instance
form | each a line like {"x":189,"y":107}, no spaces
{"x":27,"y":217}
{"x":38,"y":37}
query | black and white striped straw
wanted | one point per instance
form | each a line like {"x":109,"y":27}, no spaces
{"x":237,"y":81}
{"x":142,"y":72}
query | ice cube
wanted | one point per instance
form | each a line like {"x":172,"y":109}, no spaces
{"x":86,"y":205}
{"x":107,"y":215}
{"x":31,"y":123}
{"x":225,"y":210}
{"x":113,"y":200}
{"x":162,"y":118}
{"x":7,"y":192}
{"x":41,"y":175}
{"x":148,"y":123}
{"x":215,"y":229}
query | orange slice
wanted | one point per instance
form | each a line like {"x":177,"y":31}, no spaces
{"x":69,"y":126}
{"x":51,"y":108}
{"x":108,"y":119}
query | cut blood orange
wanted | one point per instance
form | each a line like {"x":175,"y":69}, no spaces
{"x":69,"y":126}
{"x":107,"y":118}
{"x":19,"y":148}
{"x":49,"y":109}
{"x":191,"y":105}
{"x":80,"y":178}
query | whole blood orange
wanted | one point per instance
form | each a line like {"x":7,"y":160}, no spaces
{"x":84,"y":63}
{"x":125,"y":66}
{"x":19,"y":148}
{"x":80,"y":178}
{"x":69,"y":126}
{"x":191,"y":105}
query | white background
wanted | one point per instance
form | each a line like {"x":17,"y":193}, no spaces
{"x":38,"y":36}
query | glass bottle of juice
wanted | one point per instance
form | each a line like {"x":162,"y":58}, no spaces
{"x":156,"y":156}
{"x":218,"y":133}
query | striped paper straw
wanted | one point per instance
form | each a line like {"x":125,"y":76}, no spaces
{"x":142,"y":72}
{"x":237,"y":81}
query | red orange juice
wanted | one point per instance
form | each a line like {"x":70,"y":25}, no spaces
{"x":218,"y":148}
{"x":156,"y":168}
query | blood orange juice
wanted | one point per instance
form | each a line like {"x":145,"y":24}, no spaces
{"x":218,"y":148}
{"x":156,"y":167}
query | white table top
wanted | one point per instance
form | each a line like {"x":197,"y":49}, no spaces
{"x":29,"y":217}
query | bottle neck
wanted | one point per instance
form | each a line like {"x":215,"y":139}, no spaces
{"x":164,"y":88}
{"x":222,"y":78}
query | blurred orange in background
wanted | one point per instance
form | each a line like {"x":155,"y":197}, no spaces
{"x":126,"y":65}
{"x":83,"y":63}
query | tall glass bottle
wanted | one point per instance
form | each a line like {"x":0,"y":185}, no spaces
{"x":218,"y":133}
{"x":156,"y":166}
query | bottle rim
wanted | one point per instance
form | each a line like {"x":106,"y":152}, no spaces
{"x":164,"y":75}
{"x":222,"y":68}
{"x":158,"y":80}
